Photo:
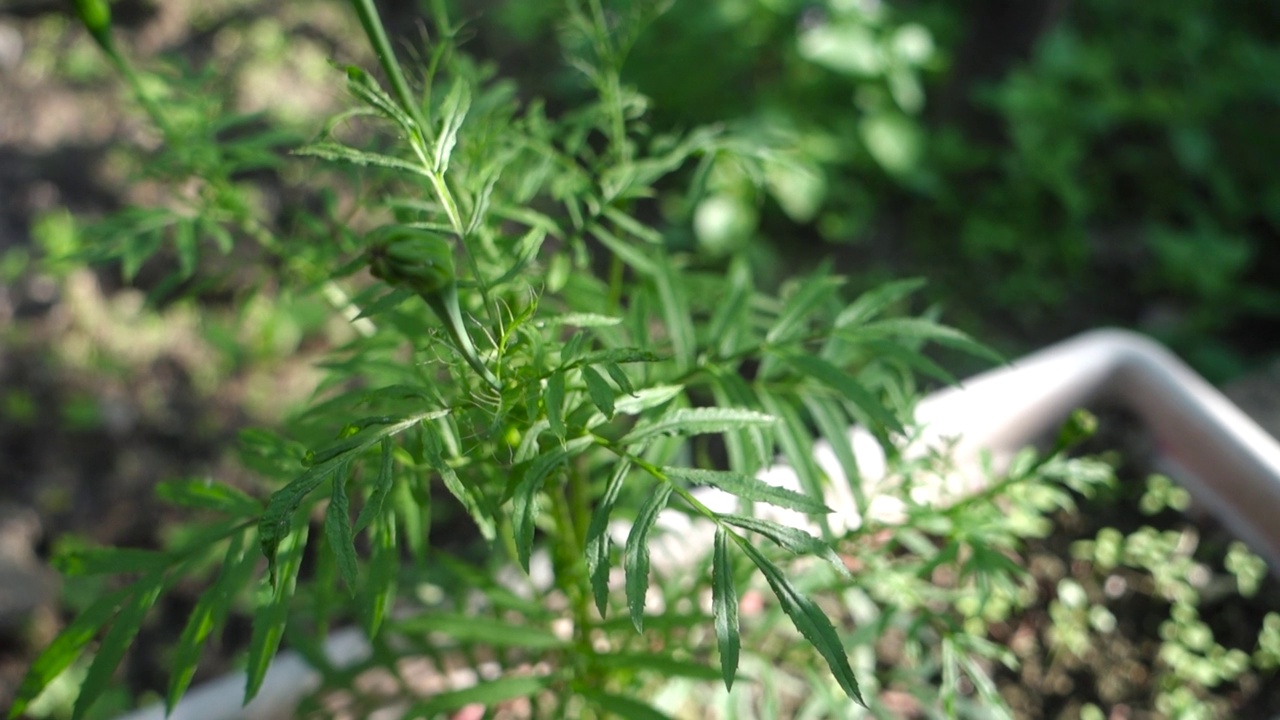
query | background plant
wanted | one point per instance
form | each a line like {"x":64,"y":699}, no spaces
{"x":582,"y":238}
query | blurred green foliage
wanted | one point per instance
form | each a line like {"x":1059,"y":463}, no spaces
{"x":1081,"y":164}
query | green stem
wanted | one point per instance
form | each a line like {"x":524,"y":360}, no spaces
{"x":445,"y":305}
{"x":377,"y":34}
{"x":570,"y":564}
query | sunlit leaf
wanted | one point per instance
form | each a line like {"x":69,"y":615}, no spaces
{"x":748,"y":487}
{"x":809,"y":620}
{"x":66,"y":647}
{"x":724,"y":604}
{"x":794,"y":539}
{"x":698,"y":421}
{"x":117,"y":641}
{"x":636,"y":555}
{"x":209,"y":615}
{"x":272,"y":613}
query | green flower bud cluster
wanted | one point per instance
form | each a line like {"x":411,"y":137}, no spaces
{"x":423,"y":262}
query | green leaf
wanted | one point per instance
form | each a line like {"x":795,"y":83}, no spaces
{"x":271,"y":614}
{"x":524,"y":509}
{"x":599,"y":390}
{"x":676,"y":314}
{"x":117,"y":641}
{"x":338,"y":152}
{"x":472,"y":498}
{"x":622,"y":707}
{"x":553,"y":403}
{"x":414,"y":510}
{"x":615,"y":355}
{"x":749,"y":448}
{"x":874,"y":301}
{"x":109,"y":561}
{"x":698,"y":421}
{"x":280,"y":508}
{"x":922,"y":329}
{"x":472,"y":629}
{"x":387,"y":302}
{"x":488,"y":693}
{"x":792,"y":323}
{"x":731,"y":320}
{"x":658,"y":662}
{"x":793,"y":539}
{"x":636,"y":555}
{"x":66,"y":647}
{"x":809,"y":620}
{"x":367,"y":89}
{"x":337,"y":528}
{"x":633,"y":227}
{"x":597,"y":540}
{"x":646,"y":398}
{"x":453,"y":112}
{"x":749,"y":487}
{"x":381,"y":486}
{"x":639,"y":260}
{"x":879,"y":418}
{"x":380,"y":581}
{"x":202,"y":494}
{"x":724,"y":606}
{"x":581,"y":320}
{"x":186,"y":245}
{"x":833,"y":424}
{"x":797,"y":447}
{"x":209,"y":615}
{"x":619,"y":377}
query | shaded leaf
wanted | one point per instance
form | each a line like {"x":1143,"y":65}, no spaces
{"x":879,"y":418}
{"x":875,"y":301}
{"x":524,"y":507}
{"x":203,"y":494}
{"x":380,"y":581}
{"x":792,"y":323}
{"x":597,"y":540}
{"x":488,"y":693}
{"x":381,"y":486}
{"x":337,"y":528}
{"x":599,"y":390}
{"x":622,"y":707}
{"x":279,"y":512}
{"x":109,"y":561}
{"x":473,"y":629}
{"x":619,"y":377}
{"x":553,"y":403}
{"x":674,"y":303}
